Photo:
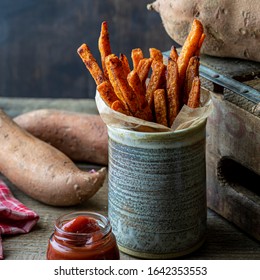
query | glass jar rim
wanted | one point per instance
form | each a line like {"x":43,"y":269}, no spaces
{"x":101,"y":219}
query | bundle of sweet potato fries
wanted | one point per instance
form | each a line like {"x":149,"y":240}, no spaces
{"x":128,"y":90}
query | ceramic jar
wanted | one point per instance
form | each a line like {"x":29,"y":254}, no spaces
{"x":157,"y":191}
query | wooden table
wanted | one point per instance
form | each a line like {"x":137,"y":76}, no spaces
{"x":224,"y":240}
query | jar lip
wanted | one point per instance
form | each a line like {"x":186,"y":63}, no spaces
{"x":178,"y":132}
{"x":105,"y":227}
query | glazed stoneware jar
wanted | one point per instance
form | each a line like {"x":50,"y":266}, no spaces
{"x":157,"y":191}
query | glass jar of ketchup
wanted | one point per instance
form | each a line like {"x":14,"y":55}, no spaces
{"x":82,"y":236}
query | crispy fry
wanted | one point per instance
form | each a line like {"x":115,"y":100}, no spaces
{"x":113,"y":80}
{"x":143,"y":69}
{"x":160,"y":107}
{"x":104,"y":45}
{"x":194,"y":96}
{"x":156,"y":55}
{"x":107,"y":93}
{"x":169,"y":87}
{"x":120,"y":84}
{"x":119,"y":107}
{"x":91,"y":64}
{"x":189,"y":48}
{"x":125,"y":64}
{"x":136,"y":55}
{"x":173,"y":95}
{"x":174,"y":54}
{"x":135,"y":83}
{"x":191,"y":72}
{"x":202,"y":38}
{"x":156,"y":81}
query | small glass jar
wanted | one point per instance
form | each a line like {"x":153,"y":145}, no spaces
{"x":82,"y":236}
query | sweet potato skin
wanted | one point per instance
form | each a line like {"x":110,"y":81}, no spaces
{"x":42,"y":171}
{"x":82,"y":137}
{"x":232,"y":28}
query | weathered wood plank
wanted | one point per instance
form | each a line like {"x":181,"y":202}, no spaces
{"x":15,"y":106}
{"x":233,"y":135}
{"x":233,"y":145}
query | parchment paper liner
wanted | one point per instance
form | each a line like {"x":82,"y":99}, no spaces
{"x":186,"y":118}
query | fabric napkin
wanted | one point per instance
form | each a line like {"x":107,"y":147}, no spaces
{"x":15,"y":217}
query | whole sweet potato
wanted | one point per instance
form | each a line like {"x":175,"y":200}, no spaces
{"x":42,"y":171}
{"x":232,"y":27}
{"x":82,"y":137}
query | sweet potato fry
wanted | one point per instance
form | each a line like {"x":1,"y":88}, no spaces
{"x":113,"y":81}
{"x":119,"y":107}
{"x":125,"y":64}
{"x":160,"y":107}
{"x":107,"y":93}
{"x":159,"y":98}
{"x":120,"y":84}
{"x":174,"y":54}
{"x":173,"y":91}
{"x":136,"y":55}
{"x":135,"y":83}
{"x":202,"y":38}
{"x":143,"y":69}
{"x":91,"y":64}
{"x":194,"y":96}
{"x":191,"y":72}
{"x":156,"y":81}
{"x":156,"y":55}
{"x":189,"y":48}
{"x":104,"y":45}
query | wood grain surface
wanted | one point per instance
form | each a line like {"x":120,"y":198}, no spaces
{"x":223,"y":241}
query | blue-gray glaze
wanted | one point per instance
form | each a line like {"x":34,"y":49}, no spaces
{"x":157,"y":195}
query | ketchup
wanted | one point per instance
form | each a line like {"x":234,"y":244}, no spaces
{"x":82,"y":236}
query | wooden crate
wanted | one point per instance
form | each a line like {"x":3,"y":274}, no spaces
{"x":233,"y":147}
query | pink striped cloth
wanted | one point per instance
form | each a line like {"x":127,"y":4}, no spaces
{"x":15,"y":218}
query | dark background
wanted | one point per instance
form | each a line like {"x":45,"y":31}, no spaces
{"x":39,"y":41}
